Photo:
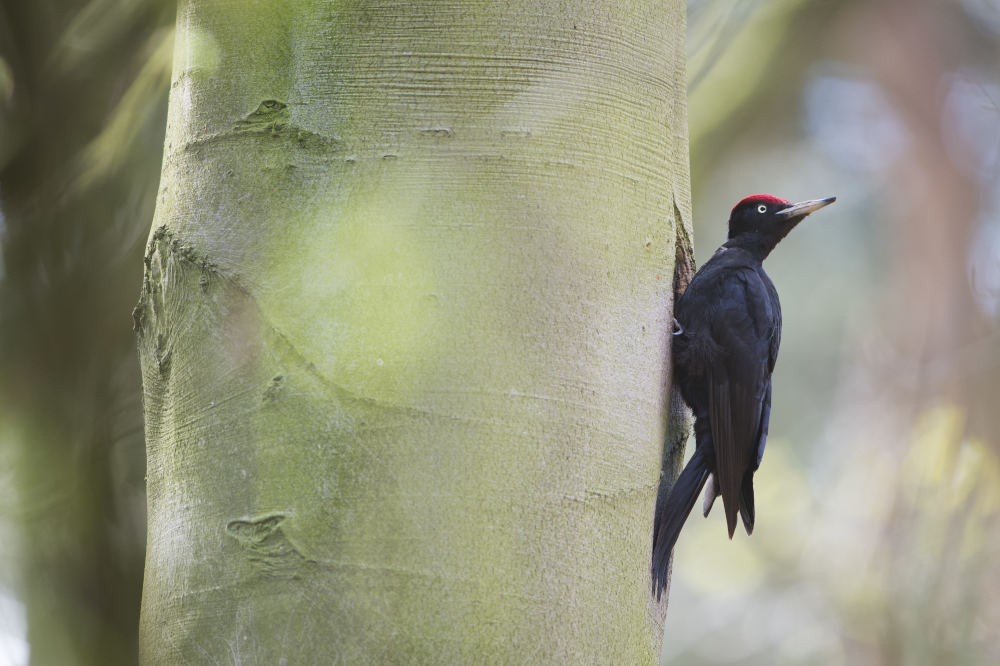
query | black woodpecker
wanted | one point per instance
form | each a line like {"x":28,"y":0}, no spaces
{"x":727,"y":328}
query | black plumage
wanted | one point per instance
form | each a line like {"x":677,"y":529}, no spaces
{"x":725,"y":344}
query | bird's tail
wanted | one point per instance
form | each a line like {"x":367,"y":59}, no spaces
{"x":671,"y":512}
{"x":747,"y":512}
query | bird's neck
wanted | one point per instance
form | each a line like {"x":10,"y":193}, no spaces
{"x":757,"y":245}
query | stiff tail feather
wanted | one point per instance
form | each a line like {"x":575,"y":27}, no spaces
{"x":747,"y":512}
{"x":671,"y":514}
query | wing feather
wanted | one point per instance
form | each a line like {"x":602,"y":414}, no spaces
{"x":739,"y":382}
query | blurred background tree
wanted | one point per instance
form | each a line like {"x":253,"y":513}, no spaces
{"x":83,"y":88}
{"x":879,"y":516}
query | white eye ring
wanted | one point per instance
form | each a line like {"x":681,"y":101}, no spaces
{"x":762,"y":208}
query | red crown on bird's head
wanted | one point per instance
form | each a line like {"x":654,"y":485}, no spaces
{"x":766,"y":198}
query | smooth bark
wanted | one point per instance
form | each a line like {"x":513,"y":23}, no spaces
{"x":404,"y":331}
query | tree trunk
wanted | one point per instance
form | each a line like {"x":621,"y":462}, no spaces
{"x":404,"y":331}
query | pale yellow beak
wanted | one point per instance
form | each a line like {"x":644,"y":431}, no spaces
{"x":803,"y":208}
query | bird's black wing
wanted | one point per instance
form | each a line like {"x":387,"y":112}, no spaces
{"x":743,"y":325}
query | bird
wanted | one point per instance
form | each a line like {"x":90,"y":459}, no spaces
{"x":727,"y":328}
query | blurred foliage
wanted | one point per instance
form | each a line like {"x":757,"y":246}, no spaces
{"x":879,"y":508}
{"x":83,"y":88}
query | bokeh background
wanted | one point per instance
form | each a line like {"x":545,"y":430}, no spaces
{"x":878,"y":535}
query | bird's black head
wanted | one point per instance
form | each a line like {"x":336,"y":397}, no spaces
{"x":758,"y":222}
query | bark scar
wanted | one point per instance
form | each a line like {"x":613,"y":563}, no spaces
{"x":266,"y":546}
{"x":679,"y":417}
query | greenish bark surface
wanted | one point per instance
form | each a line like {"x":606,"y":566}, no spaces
{"x":403,"y":331}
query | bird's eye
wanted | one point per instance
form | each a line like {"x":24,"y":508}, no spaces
{"x":762,"y":208}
